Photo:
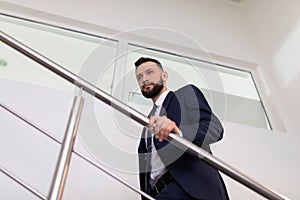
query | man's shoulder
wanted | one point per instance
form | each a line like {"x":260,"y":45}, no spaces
{"x":187,"y":89}
{"x":190,"y":94}
{"x":186,"y":93}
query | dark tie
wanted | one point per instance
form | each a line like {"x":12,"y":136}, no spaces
{"x":149,"y":137}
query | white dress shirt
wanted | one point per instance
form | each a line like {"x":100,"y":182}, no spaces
{"x":157,"y":166}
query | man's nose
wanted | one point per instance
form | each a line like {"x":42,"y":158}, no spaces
{"x":145,"y":79}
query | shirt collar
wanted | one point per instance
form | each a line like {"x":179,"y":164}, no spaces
{"x":161,"y":98}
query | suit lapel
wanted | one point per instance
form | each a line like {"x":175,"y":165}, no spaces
{"x":165,"y":104}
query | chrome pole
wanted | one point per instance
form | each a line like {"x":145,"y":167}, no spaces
{"x":61,"y":172}
{"x":140,"y":118}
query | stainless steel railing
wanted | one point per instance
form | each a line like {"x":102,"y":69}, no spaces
{"x":140,"y":118}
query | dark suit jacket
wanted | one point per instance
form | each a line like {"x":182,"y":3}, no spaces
{"x":188,"y":108}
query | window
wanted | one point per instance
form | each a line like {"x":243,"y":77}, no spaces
{"x":90,"y":57}
{"x":232,"y":93}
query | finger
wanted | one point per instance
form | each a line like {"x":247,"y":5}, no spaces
{"x":156,"y":125}
{"x":152,"y":124}
{"x":166,"y":131}
{"x":170,"y":128}
{"x":165,"y":128}
{"x":159,"y":121}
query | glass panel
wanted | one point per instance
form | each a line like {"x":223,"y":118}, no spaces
{"x":43,"y":97}
{"x":87,"y":182}
{"x":230,"y":92}
{"x":46,"y":100}
{"x":11,"y":190}
{"x":108,"y":136}
{"x":27,"y":153}
{"x":90,"y":57}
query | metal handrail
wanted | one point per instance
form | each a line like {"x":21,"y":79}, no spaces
{"x":140,"y":118}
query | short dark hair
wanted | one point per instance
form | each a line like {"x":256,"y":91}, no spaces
{"x":142,"y":60}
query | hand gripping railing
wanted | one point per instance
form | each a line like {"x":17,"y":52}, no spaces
{"x":140,"y":118}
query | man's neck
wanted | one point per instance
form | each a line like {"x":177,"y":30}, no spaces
{"x":157,"y":96}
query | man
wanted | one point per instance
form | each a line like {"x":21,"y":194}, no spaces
{"x":167,"y":172}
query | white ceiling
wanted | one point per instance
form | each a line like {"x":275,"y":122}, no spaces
{"x":235,"y":1}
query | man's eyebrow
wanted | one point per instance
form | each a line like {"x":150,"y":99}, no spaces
{"x":149,"y":68}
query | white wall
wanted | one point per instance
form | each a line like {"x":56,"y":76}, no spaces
{"x":221,"y":28}
{"x":218,"y":26}
{"x":276,"y":27}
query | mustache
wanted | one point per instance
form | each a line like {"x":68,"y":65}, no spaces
{"x":147,"y":83}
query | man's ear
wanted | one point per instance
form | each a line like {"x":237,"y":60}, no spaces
{"x":165,"y":76}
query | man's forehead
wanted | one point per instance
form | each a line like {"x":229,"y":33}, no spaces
{"x":146,"y":65}
{"x":149,"y":63}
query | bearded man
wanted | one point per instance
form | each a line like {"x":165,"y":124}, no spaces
{"x":167,"y":172}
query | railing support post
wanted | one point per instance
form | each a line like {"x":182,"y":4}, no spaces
{"x":61,"y":172}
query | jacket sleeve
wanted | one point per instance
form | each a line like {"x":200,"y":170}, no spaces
{"x":198,"y":123}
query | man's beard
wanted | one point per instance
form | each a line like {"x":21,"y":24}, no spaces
{"x":157,"y":87}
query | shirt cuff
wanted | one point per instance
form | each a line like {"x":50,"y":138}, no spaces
{"x":180,"y":133}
